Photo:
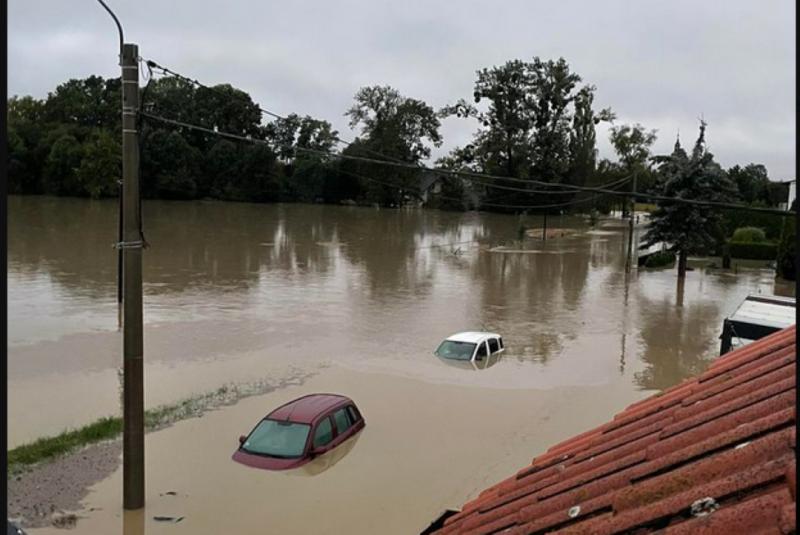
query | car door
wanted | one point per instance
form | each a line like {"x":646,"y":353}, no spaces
{"x":481,"y":352}
{"x":323,"y":433}
{"x":344,"y":424}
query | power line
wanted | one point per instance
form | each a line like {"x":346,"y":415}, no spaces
{"x":119,"y":26}
{"x":170,"y":72}
{"x":470,"y":174}
{"x":480,"y":203}
{"x":527,"y":182}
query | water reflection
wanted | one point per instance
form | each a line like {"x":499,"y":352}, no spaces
{"x":677,"y":338}
{"x":327,"y":460}
{"x":133,"y":522}
{"x":473,"y":365}
{"x":379,"y":288}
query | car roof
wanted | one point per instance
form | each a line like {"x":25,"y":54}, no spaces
{"x":306,"y":409}
{"x":472,"y":336}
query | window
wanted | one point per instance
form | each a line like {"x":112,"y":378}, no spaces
{"x":343,"y":421}
{"x":277,"y":439}
{"x":324,"y":433}
{"x":353,"y":412}
{"x":481,"y":351}
{"x":501,"y":343}
{"x":450,"y":349}
{"x":493,"y":345}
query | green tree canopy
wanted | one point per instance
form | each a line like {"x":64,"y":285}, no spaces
{"x":752,"y":182}
{"x":392,"y":127}
{"x":689,"y":229}
{"x":536,"y":123}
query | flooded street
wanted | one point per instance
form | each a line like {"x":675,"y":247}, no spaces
{"x":358,"y":298}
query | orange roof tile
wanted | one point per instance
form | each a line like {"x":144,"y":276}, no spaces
{"x":714,"y":454}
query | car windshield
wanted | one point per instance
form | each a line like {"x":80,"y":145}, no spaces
{"x":277,"y":439}
{"x":451,"y":349}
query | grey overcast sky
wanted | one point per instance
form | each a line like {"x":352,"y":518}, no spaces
{"x":659,"y":63}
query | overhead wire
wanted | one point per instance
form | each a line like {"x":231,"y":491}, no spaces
{"x":119,"y":27}
{"x":193,"y":81}
{"x":470,"y":174}
{"x":264,"y":111}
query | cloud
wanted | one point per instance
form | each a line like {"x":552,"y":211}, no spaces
{"x":659,"y":63}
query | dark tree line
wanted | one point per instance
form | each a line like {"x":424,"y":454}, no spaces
{"x":535,"y":121}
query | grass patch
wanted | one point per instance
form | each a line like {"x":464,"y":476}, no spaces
{"x":49,"y":447}
{"x":110,"y":427}
{"x":103,"y":429}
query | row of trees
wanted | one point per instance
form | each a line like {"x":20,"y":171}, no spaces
{"x":534,"y":121}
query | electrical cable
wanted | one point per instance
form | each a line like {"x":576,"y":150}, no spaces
{"x":451,"y":172}
{"x":119,"y":27}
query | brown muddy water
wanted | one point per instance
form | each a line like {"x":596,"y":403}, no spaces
{"x":359,"y":298}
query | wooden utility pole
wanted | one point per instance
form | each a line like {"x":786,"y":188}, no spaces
{"x":631,"y":254}
{"x":120,"y":239}
{"x":544,"y":227}
{"x":131,"y":246}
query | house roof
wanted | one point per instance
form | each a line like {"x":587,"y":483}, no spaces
{"x":714,"y":454}
{"x":770,"y":311}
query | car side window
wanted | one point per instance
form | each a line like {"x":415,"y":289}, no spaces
{"x":342,"y":420}
{"x":354,"y":416}
{"x":324,"y":433}
{"x":500,"y":340}
{"x":494,"y":347}
{"x":481,"y":351}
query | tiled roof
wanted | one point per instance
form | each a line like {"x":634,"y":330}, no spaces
{"x":714,"y":454}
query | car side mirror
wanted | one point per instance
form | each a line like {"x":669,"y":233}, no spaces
{"x":242,"y":438}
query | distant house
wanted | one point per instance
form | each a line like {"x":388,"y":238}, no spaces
{"x":792,"y":195}
{"x":713,"y":454}
{"x":429,"y":182}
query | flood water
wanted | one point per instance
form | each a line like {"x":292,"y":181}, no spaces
{"x":360,"y":298}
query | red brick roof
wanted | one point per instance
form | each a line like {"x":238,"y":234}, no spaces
{"x":714,"y":454}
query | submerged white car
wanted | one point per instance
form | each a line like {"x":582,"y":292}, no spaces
{"x":470,"y":346}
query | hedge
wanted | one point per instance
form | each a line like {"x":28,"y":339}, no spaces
{"x":660,"y":259}
{"x":769,"y":223}
{"x":749,"y":235}
{"x":753,"y":251}
{"x":787,"y":250}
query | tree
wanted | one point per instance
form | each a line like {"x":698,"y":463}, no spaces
{"x":26,"y":150}
{"x":752,"y":181}
{"x":101,"y":165}
{"x":397,"y":128}
{"x":787,"y":248}
{"x":61,"y":167}
{"x":687,"y":228}
{"x":91,"y":102}
{"x":169,"y":166}
{"x":583,"y":137}
{"x":302,"y":144}
{"x":632,"y":144}
{"x":525,"y":128}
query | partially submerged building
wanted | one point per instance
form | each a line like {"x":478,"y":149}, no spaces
{"x":714,"y":454}
{"x":756,"y":317}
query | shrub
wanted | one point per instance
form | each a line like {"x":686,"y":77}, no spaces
{"x":749,"y":235}
{"x":753,"y":251}
{"x":787,"y":250}
{"x":660,"y":259}
{"x":769,"y":223}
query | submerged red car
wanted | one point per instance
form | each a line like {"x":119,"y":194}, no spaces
{"x":294,"y":433}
